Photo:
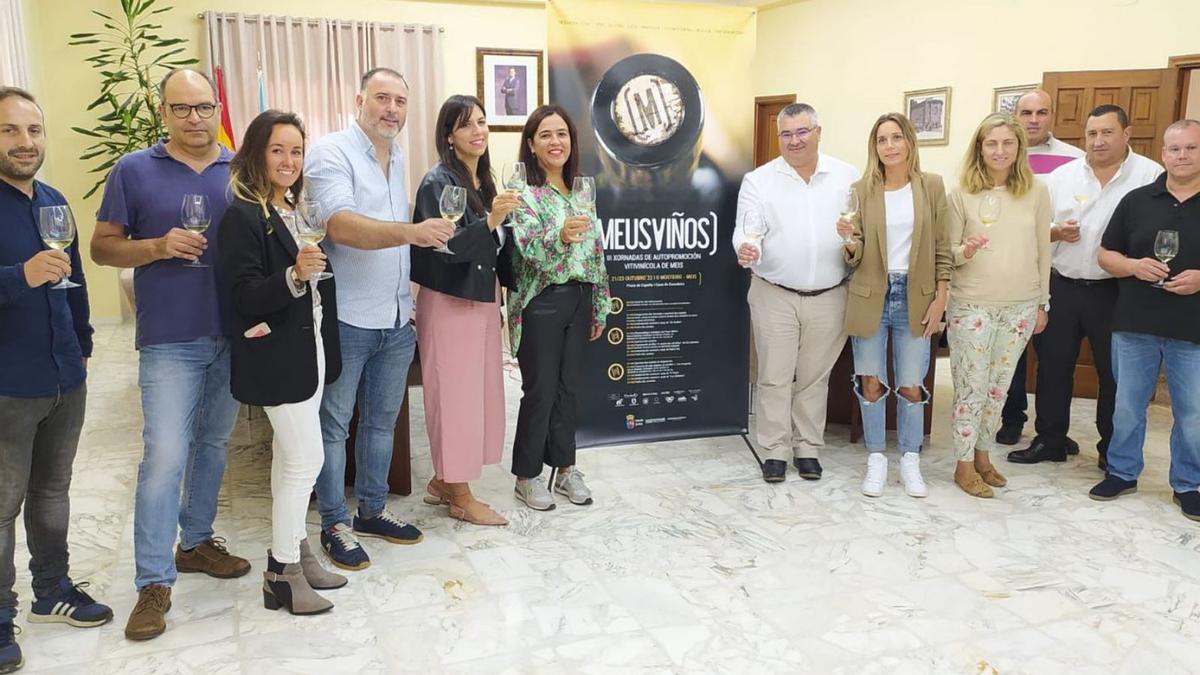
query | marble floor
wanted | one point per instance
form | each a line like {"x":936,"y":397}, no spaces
{"x":687,"y":563}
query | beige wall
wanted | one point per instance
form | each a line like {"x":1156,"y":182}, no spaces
{"x":65,"y":86}
{"x":853,"y":59}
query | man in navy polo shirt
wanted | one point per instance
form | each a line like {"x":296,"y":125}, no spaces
{"x":44,"y":345}
{"x":1156,"y":321}
{"x":183,"y":349}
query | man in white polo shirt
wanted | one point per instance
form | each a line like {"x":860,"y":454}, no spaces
{"x":1035,"y":112}
{"x":797,"y":294}
{"x":1084,"y":193}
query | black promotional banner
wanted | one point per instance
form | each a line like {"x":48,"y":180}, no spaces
{"x":665,"y":127}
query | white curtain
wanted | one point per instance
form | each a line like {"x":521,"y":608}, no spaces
{"x":312,"y":67}
{"x":14,"y":68}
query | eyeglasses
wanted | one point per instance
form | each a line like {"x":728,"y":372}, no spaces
{"x":183,"y":111}
{"x":799,"y":134}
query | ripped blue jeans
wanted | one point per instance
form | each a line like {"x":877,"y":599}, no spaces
{"x":910,"y":362}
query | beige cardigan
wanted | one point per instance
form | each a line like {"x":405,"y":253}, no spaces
{"x":929,"y":258}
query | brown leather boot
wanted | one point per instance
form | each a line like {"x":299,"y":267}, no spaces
{"x":992,"y":477}
{"x":212,"y":558}
{"x":971,"y":482}
{"x":465,"y":507}
{"x":149,"y":616}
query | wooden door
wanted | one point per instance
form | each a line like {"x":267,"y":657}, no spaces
{"x":766,"y":138}
{"x":1149,"y":98}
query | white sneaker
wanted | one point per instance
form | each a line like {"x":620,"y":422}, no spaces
{"x":910,"y":474}
{"x":877,"y":466}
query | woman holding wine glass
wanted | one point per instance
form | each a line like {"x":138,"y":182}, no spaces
{"x":285,"y":345}
{"x":998,"y":224}
{"x":898,"y":292}
{"x":458,"y":311}
{"x":560,"y":301}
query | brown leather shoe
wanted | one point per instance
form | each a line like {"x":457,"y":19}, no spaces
{"x":974,"y":486}
{"x":149,"y":616}
{"x":993,"y":477}
{"x":437,"y":493}
{"x":212,"y":558}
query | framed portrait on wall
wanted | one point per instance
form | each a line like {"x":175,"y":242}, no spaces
{"x":1004,"y":99}
{"x":509,"y":82}
{"x":929,"y":111}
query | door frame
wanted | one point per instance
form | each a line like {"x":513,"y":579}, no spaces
{"x":762,"y":102}
{"x":1182,"y":67}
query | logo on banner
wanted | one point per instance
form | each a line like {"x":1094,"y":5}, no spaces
{"x":648,"y":110}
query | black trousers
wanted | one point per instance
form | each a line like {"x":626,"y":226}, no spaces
{"x":1076,"y":311}
{"x":554,"y":334}
{"x":1018,"y":401}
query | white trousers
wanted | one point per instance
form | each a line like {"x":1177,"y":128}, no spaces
{"x":297,"y":455}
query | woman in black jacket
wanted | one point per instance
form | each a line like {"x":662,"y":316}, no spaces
{"x":458,"y":314}
{"x":285,"y":344}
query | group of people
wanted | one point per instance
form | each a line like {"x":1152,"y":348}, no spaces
{"x":883,"y":257}
{"x":252,"y":311}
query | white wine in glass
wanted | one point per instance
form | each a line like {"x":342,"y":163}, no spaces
{"x":583,"y":197}
{"x":310,"y":229}
{"x":452,"y":205}
{"x":1166,"y":247}
{"x":56,"y":226}
{"x":194,"y":217}
{"x":989,"y":211}
{"x":514,"y":180}
{"x":849,"y":210}
{"x":1080,"y":200}
{"x":754,"y":227}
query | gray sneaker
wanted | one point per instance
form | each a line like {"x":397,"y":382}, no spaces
{"x":533,"y":492}
{"x":569,"y":482}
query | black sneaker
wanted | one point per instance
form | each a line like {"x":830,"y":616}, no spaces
{"x":1010,"y":433}
{"x":1112,"y":487}
{"x":774,"y":470}
{"x":1189,"y":503}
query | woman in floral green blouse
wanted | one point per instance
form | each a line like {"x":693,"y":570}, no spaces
{"x":560,"y":302}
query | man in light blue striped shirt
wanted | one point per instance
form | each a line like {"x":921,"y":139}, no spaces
{"x":357,"y":176}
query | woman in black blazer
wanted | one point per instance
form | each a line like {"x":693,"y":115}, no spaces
{"x":285,"y":345}
{"x":458,"y":314}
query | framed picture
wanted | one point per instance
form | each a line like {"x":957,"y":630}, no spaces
{"x":509,"y":82}
{"x":929,"y":111}
{"x":1004,"y":99}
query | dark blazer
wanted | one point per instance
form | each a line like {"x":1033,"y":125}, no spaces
{"x":472,"y":271}
{"x":281,"y":367}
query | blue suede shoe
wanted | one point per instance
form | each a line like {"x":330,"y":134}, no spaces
{"x":70,"y":605}
{"x":343,"y":548}
{"x":10,"y":652}
{"x":387,"y":526}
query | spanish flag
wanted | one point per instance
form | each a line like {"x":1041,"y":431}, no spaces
{"x":225,"y":131}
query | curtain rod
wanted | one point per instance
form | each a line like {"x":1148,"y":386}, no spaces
{"x":250,"y":18}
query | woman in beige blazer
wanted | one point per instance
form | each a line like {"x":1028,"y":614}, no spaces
{"x":898,"y":291}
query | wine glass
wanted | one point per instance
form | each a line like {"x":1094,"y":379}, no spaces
{"x":56,"y":225}
{"x":310,"y":229}
{"x":1080,"y":200}
{"x":514,"y":180}
{"x":1166,"y":247}
{"x":194,"y":217}
{"x":583,"y":197}
{"x":989,"y":211}
{"x":849,"y":210}
{"x":755,"y":228}
{"x":452,"y":205}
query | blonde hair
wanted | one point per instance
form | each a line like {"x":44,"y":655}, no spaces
{"x":975,"y":178}
{"x":873,"y":173}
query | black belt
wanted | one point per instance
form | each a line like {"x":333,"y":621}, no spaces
{"x":570,"y":284}
{"x":805,"y":294}
{"x":1081,"y":282}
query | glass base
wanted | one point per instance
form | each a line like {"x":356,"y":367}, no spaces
{"x":443,"y":249}
{"x":65,"y":284}
{"x":198,"y":265}
{"x":322,"y":276}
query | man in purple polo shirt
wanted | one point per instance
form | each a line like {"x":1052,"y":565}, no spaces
{"x":183,"y":350}
{"x":1035,"y":112}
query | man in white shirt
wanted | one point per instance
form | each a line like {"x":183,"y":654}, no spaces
{"x":1084,"y":193}
{"x":1035,"y":112}
{"x":797,"y":294}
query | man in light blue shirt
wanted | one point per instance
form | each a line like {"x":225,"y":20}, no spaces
{"x":357,"y":176}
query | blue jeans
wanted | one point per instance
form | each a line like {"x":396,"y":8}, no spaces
{"x":375,"y":374}
{"x":1136,"y":358}
{"x":910,"y":360}
{"x":188,"y":413}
